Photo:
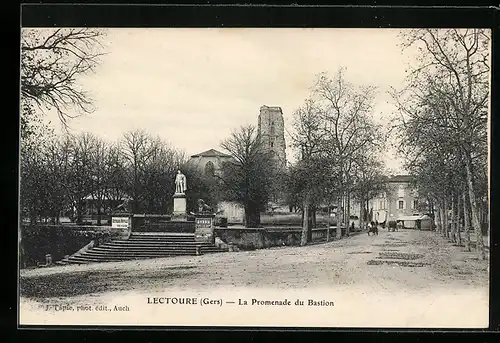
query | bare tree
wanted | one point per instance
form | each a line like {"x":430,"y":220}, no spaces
{"x":98,"y":176}
{"x":446,"y":98}
{"x":79,"y":183}
{"x":310,"y":179}
{"x":137,"y":150}
{"x":349,"y":128}
{"x":368,"y":181}
{"x":51,"y":62}
{"x":248,"y":178}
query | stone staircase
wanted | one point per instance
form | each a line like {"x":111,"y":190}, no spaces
{"x":144,"y":246}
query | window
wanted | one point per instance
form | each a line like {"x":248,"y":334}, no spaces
{"x":401,"y":191}
{"x":209,"y":169}
{"x":381,"y":204}
{"x":272,"y":144}
{"x":415,"y":204}
{"x":401,"y":204}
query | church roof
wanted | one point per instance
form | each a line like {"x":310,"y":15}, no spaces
{"x":211,"y":153}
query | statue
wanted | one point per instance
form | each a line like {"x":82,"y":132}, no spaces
{"x":203,"y":207}
{"x":124,"y":205}
{"x":180,"y":183}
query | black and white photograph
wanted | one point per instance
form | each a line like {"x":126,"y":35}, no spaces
{"x":254,"y":177}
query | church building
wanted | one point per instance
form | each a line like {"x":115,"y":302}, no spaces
{"x":210,"y":161}
{"x":271,"y":128}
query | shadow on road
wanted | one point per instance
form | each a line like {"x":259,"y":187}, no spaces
{"x":98,"y":281}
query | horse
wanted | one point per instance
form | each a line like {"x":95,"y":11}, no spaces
{"x":373,"y":229}
{"x":392,"y":226}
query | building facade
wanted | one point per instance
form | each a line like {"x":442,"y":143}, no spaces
{"x":209,"y":162}
{"x":399,"y":200}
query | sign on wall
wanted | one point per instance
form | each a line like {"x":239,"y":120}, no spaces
{"x":204,"y":223}
{"x":120,"y":222}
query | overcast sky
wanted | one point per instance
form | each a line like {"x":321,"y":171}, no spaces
{"x":193,"y":86}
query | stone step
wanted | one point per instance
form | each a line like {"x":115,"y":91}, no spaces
{"x":132,"y":255}
{"x":151,"y":249}
{"x":109,"y":258}
{"x":165,"y":236}
{"x":152,"y":244}
{"x":152,"y":241}
{"x":150,"y":252}
{"x":145,"y":246}
{"x":161,"y":239}
{"x":162,"y":235}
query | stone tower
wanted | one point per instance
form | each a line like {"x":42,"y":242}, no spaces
{"x":272,"y":130}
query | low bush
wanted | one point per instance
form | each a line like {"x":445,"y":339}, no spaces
{"x":58,"y":240}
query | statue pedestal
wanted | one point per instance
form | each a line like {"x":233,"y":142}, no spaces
{"x":179,"y":207}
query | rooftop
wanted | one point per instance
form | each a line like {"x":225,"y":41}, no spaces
{"x":211,"y":153}
{"x":275,"y":108}
{"x":399,"y":178}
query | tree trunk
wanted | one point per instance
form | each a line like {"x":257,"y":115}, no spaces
{"x":348,"y":213}
{"x":252,"y":216}
{"x":344,"y":219}
{"x":445,"y":217}
{"x":361,"y":214}
{"x":367,"y":214}
{"x":438,"y":221}
{"x":79,"y":212}
{"x":338,"y":231}
{"x":474,"y":210}
{"x":310,"y":224}
{"x":459,"y":226}
{"x":328,"y":224}
{"x":99,"y":212}
{"x":305,"y":223}
{"x":453,"y":220}
{"x":466,"y":222}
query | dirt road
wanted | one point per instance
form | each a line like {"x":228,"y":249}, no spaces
{"x":406,"y":262}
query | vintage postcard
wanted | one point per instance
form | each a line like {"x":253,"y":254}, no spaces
{"x":254,"y":177}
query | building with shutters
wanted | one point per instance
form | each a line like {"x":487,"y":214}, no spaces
{"x":399,"y":200}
